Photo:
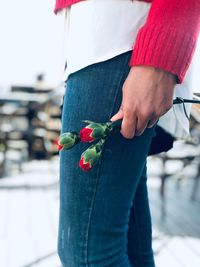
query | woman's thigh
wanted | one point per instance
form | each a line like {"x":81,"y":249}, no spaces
{"x":95,"y":205}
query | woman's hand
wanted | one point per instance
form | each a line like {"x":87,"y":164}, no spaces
{"x":147,"y":95}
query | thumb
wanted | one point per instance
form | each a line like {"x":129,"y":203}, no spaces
{"x":117,"y":116}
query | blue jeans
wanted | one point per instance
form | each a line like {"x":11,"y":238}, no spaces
{"x":104,"y":218}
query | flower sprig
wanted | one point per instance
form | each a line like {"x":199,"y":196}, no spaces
{"x":98,"y":132}
{"x":93,"y":132}
{"x":67,"y":140}
{"x":91,"y":156}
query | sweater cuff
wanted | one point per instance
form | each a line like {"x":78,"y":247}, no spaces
{"x":162,"y":46}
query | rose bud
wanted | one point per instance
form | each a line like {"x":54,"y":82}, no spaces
{"x":94,"y":131}
{"x":91,"y":156}
{"x":68,"y":140}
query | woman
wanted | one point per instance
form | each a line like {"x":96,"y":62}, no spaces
{"x":125,"y":60}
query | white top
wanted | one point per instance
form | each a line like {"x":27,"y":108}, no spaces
{"x":97,"y":30}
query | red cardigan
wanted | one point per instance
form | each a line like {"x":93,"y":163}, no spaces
{"x":168,"y":38}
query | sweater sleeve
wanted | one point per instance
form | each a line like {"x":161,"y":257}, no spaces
{"x":169,"y":36}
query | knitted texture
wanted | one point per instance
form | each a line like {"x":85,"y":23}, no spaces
{"x":168,"y":38}
{"x":60,"y":4}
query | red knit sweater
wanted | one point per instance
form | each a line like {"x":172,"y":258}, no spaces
{"x":168,"y":38}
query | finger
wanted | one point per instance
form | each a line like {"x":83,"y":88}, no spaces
{"x":118,"y":115}
{"x":128,"y":127}
{"x":141,"y":126}
{"x":151,"y":123}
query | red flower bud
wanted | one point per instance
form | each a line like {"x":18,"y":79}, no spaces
{"x":91,"y":156}
{"x":84,"y":166}
{"x":56,"y":142}
{"x":67,"y":140}
{"x":95,"y":131}
{"x":85,"y":135}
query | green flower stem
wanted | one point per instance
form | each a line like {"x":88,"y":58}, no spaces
{"x":179,"y":100}
{"x":114,"y":126}
{"x":117,"y":124}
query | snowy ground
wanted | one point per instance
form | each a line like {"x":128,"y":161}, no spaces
{"x":29,"y":216}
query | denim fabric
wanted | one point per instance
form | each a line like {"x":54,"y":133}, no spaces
{"x":104,"y":218}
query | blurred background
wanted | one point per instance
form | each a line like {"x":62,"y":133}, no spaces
{"x":31,"y":90}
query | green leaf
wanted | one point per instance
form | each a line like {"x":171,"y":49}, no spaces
{"x":87,"y":121}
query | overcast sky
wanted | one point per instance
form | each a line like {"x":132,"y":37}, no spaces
{"x":31,"y":41}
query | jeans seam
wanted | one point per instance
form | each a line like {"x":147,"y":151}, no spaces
{"x":90,"y":215}
{"x":138,"y":238}
{"x":116,"y":95}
